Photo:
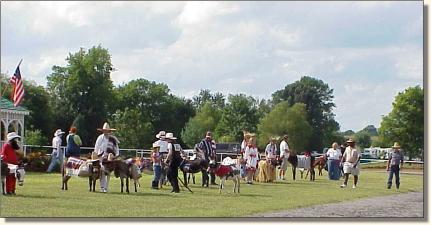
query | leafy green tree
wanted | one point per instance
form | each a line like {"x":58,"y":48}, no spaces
{"x":132,"y":129}
{"x":83,"y":88}
{"x":35,"y":137}
{"x":217,"y":99}
{"x":371,"y":130}
{"x":206,"y":119}
{"x":240,"y":113}
{"x":155,"y":105}
{"x":363,"y":139}
{"x":405,"y":123}
{"x":285,"y":119}
{"x":348,"y":133}
{"x":318,"y":98}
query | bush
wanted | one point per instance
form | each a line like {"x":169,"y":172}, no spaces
{"x":35,"y":138}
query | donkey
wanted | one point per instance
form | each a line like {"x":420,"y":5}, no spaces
{"x":194,"y":166}
{"x":303,"y":162}
{"x":83,"y":168}
{"x":126,"y":169}
{"x":229,"y":170}
{"x":17,"y":170}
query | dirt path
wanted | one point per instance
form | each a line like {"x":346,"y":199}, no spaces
{"x":399,"y":205}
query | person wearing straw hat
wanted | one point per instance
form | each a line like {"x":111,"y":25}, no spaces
{"x":9,"y":155}
{"x":57,"y":153}
{"x":106,"y":144}
{"x":351,"y":159}
{"x":395,"y":162}
{"x":174,"y":160}
{"x":163,"y":146}
{"x":271,"y":157}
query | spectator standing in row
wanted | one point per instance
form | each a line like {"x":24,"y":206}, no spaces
{"x":395,"y":162}
{"x":334,"y":158}
{"x":208,"y":146}
{"x":284,"y":155}
{"x":251,"y":157}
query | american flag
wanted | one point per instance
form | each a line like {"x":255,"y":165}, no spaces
{"x":18,"y":88}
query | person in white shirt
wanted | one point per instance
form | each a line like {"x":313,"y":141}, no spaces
{"x":271,"y":155}
{"x":243,"y":171}
{"x":163,"y":143}
{"x":284,"y":155}
{"x":334,"y":157}
{"x":251,"y":157}
{"x":57,"y":153}
{"x":351,"y":159}
{"x":106,"y":143}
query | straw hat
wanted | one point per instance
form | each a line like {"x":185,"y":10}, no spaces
{"x":12,"y":136}
{"x":170,"y":136}
{"x":272,"y":139}
{"x":58,"y":132}
{"x":94,"y":156}
{"x":396,"y":145}
{"x":106,"y":128}
{"x":161,"y":134}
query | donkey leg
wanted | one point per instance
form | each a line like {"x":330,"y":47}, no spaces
{"x":222,"y":183}
{"x":90,"y":182}
{"x":122,"y":184}
{"x":135,"y":183}
{"x":127,"y":185}
{"x":185,"y":178}
{"x":193,"y":177}
{"x":294,"y":172}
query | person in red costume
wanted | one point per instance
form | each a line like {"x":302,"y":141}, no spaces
{"x":9,"y":156}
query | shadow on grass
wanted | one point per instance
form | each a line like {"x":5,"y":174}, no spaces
{"x":31,"y":196}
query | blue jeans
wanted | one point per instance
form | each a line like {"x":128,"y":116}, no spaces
{"x":157,"y":174}
{"x":54,"y":160}
{"x":395,"y":169}
{"x":333,"y":169}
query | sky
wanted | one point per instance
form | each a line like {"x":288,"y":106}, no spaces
{"x":367,"y":52}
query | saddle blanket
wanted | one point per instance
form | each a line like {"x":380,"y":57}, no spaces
{"x":77,"y":167}
{"x":304,"y":162}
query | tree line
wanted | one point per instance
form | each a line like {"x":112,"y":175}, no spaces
{"x":82,"y":94}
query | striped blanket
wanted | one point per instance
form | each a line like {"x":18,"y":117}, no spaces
{"x":77,"y":167}
{"x":304,"y":162}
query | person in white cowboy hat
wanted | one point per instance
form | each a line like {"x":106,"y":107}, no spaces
{"x":106,"y":143}
{"x":163,"y":153}
{"x":8,"y":153}
{"x":174,"y":160}
{"x":351,"y":159}
{"x":57,"y":153}
{"x":395,"y":162}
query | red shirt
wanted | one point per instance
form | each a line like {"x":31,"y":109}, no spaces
{"x":8,"y":153}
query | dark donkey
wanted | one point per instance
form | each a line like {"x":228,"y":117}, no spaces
{"x":195,"y":166}
{"x":293,"y":160}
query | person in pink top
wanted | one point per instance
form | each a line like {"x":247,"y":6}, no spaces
{"x":251,"y":158}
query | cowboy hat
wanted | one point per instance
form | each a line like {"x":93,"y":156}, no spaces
{"x":58,"y":132}
{"x":396,"y":145}
{"x":170,"y":136}
{"x":106,"y":128}
{"x":350,"y":140}
{"x":273,"y":138}
{"x":161,"y":134}
{"x":12,"y":136}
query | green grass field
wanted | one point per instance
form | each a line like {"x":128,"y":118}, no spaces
{"x":41,"y":196}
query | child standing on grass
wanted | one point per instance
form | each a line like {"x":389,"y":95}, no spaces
{"x":155,"y":157}
{"x":395,"y":162}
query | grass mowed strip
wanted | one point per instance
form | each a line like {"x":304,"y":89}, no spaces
{"x":41,"y":196}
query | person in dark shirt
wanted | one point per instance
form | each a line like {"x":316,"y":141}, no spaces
{"x":395,"y":162}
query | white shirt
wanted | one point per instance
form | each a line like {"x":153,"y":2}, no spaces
{"x":102,"y":145}
{"x":163,"y":146}
{"x":271,"y":150}
{"x":56,"y":143}
{"x":284,"y":149}
{"x":333,"y":153}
